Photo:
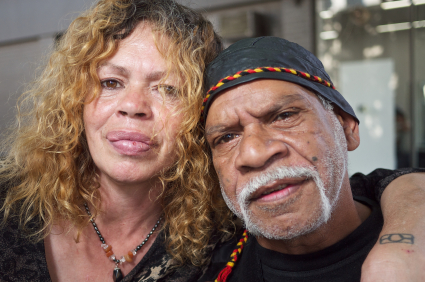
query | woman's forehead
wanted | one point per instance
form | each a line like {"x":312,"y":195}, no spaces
{"x":139,"y":53}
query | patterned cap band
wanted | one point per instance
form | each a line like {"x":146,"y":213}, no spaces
{"x":263,"y":69}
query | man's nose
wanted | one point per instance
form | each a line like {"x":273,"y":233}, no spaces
{"x":258,"y":149}
{"x":135,"y":103}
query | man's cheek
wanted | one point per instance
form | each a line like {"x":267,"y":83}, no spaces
{"x":222,"y":173}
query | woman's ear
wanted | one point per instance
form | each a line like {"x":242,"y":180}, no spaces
{"x":350,"y":127}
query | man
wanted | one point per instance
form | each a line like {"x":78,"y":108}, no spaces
{"x":279,"y":133}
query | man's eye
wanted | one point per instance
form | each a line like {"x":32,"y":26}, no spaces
{"x":285,"y":115}
{"x":226,"y":138}
{"x":110,"y":84}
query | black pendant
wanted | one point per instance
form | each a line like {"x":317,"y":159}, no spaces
{"x":117,"y":275}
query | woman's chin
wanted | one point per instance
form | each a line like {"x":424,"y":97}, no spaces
{"x":128,"y":175}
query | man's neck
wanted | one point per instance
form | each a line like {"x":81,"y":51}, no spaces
{"x":346,"y":216}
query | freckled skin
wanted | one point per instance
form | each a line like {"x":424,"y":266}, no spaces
{"x":260,"y":131}
{"x":249,"y":135}
{"x":132,"y":106}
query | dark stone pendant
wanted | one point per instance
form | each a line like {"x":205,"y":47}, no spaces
{"x":117,"y":275}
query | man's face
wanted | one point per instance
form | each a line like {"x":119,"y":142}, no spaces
{"x":280,"y":156}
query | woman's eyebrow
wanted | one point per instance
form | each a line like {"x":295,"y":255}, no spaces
{"x":156,"y":75}
{"x":121,"y":70}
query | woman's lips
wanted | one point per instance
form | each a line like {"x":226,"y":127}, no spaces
{"x":129,"y":143}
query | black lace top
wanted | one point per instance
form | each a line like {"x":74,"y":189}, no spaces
{"x":23,"y":260}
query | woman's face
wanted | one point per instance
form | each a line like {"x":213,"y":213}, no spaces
{"x":131,"y":126}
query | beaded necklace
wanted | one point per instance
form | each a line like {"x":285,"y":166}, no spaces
{"x":117,"y":274}
{"x":225,"y":272}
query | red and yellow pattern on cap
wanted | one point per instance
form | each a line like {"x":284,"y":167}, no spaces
{"x":259,"y":70}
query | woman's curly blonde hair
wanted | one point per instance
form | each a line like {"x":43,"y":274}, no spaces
{"x":48,"y":165}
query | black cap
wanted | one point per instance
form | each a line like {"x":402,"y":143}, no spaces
{"x":272,"y":58}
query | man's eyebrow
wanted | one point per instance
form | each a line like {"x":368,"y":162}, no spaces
{"x":285,"y":101}
{"x":214,"y":129}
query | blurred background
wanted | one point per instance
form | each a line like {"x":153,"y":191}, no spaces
{"x":374,"y":51}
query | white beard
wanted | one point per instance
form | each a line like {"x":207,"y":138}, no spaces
{"x":335,"y":164}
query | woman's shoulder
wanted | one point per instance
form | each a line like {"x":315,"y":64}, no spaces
{"x":22,"y":259}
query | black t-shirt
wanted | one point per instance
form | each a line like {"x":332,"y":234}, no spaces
{"x":339,"y":262}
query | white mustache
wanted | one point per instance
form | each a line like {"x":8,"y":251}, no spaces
{"x":276,"y":174}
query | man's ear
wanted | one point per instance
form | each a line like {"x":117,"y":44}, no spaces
{"x":351,"y":129}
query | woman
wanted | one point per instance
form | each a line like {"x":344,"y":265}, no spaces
{"x":106,"y":176}
{"x":112,"y":123}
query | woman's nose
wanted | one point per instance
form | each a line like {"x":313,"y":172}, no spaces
{"x":135,"y":103}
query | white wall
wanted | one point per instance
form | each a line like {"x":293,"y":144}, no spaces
{"x":27,"y":31}
{"x":28,"y":18}
{"x":17,"y":68}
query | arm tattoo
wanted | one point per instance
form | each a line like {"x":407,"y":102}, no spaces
{"x":397,"y":238}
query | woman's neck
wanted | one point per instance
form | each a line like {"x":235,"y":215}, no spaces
{"x":131,"y":207}
{"x":127,"y":215}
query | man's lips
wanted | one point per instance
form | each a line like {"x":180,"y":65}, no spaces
{"x":277,"y":190}
{"x":129,"y":142}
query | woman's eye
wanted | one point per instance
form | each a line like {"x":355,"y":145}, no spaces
{"x":110,"y":84}
{"x":167,"y":89}
{"x":226,"y":138}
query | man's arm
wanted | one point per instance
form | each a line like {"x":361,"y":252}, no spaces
{"x":399,"y":254}
{"x":373,"y":184}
